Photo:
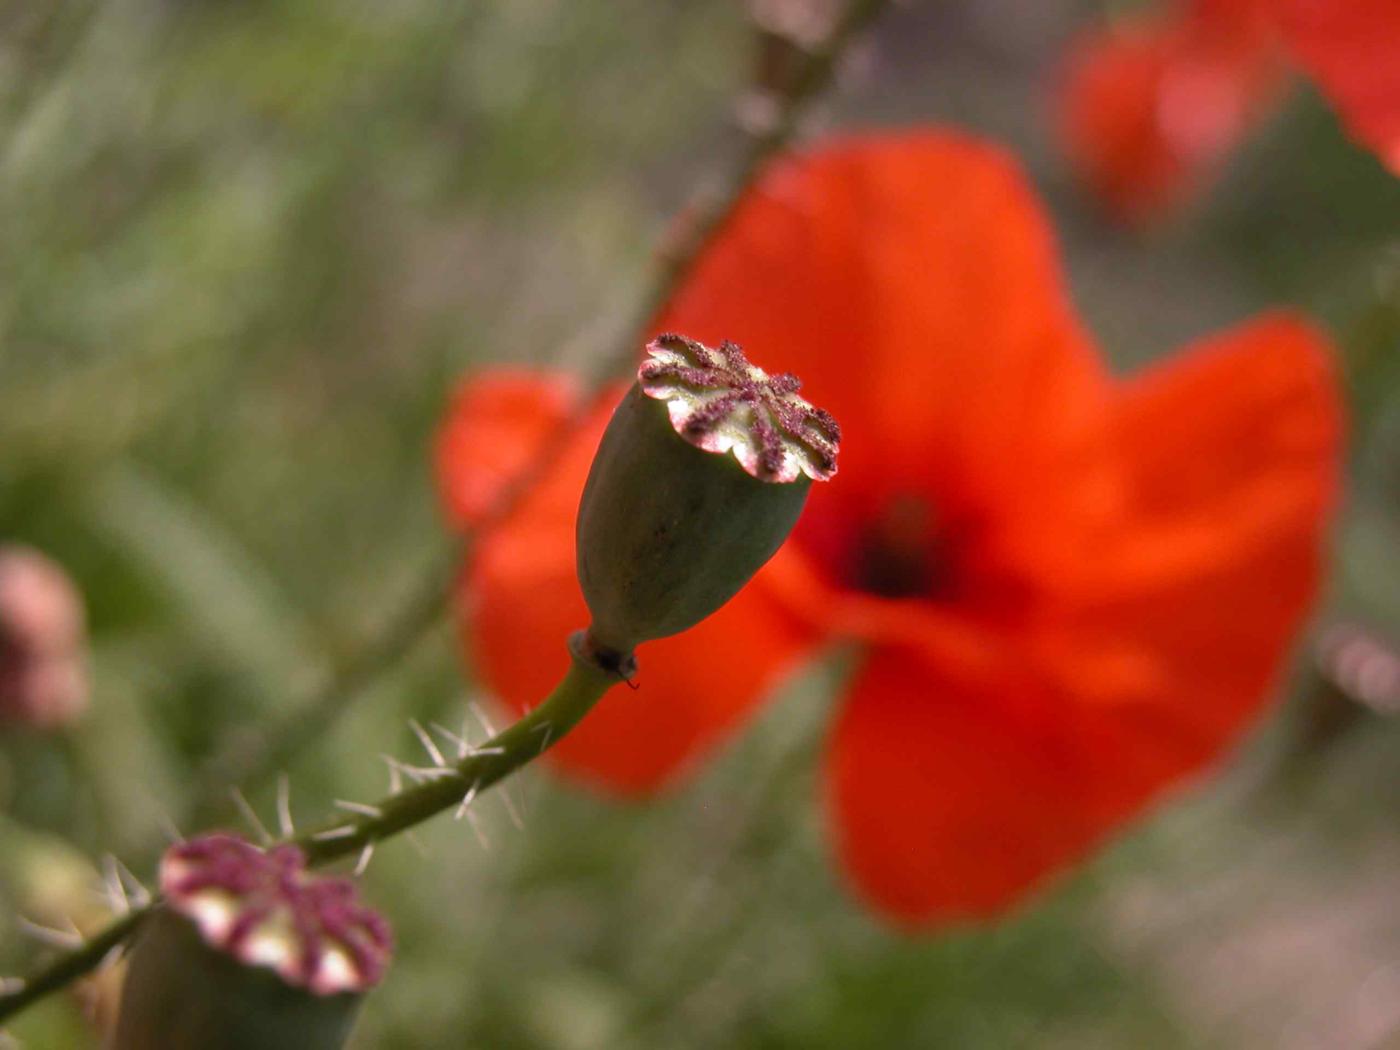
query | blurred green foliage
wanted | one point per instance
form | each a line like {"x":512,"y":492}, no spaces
{"x":247,"y":248}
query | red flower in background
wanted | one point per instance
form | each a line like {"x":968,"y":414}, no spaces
{"x":1072,"y":591}
{"x":1150,"y":107}
{"x":1352,"y":49}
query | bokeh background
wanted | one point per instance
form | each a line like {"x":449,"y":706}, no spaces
{"x":247,"y":248}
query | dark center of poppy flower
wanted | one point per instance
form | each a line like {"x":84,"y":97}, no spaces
{"x":897,"y":554}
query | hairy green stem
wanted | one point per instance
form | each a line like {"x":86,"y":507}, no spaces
{"x":69,"y":966}
{"x":443,"y":787}
{"x":251,"y":756}
{"x":440,"y":788}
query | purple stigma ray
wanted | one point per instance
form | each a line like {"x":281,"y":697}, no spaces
{"x":720,"y":402}
{"x":264,"y":908}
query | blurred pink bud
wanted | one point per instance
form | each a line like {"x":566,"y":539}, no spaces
{"x":43,"y":680}
{"x":806,"y":23}
{"x":1363,"y":666}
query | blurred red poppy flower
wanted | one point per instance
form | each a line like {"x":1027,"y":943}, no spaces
{"x":1072,"y":591}
{"x":1352,"y":49}
{"x":1151,"y":106}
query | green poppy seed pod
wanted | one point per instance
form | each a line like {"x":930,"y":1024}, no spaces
{"x":248,"y":950}
{"x":700,"y":476}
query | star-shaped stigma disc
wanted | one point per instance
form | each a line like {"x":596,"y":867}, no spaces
{"x":720,"y":402}
{"x":264,"y":908}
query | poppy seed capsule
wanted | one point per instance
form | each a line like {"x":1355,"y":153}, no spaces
{"x":671,"y":525}
{"x":249,"y":949}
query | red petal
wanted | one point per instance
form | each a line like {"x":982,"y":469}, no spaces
{"x":946,"y":804}
{"x":1233,"y":452}
{"x":912,"y":281}
{"x":521,"y":600}
{"x":494,"y":428}
{"x":1352,"y":48}
{"x":963,"y":777}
